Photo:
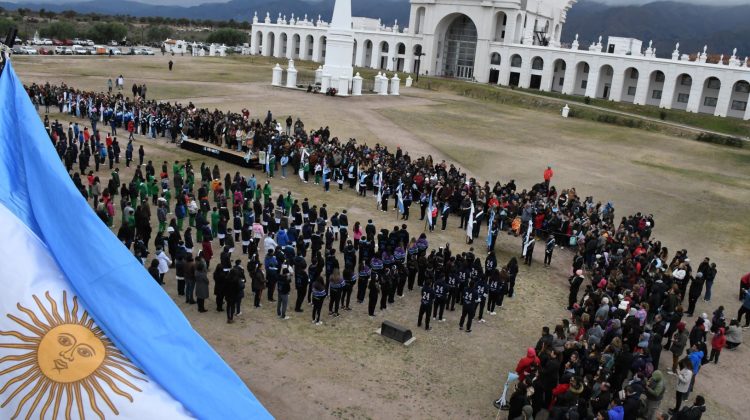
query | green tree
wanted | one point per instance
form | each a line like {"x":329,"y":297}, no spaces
{"x":158,"y":33}
{"x":227,"y":36}
{"x":5,"y":25}
{"x":105,"y":32}
{"x":59,"y":30}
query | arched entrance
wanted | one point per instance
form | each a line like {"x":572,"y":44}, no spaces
{"x":459,"y":46}
{"x":558,"y":75}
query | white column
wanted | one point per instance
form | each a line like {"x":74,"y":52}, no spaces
{"x":696,"y":93}
{"x":407,"y":63}
{"x":667,"y":93}
{"x":592,"y":85}
{"x":570,"y":78}
{"x":290,"y":47}
{"x":375,"y":59}
{"x":618,"y":80}
{"x":389,"y":61}
{"x":642,"y":90}
{"x":510,"y":29}
{"x":525,"y":80}
{"x":277,"y":45}
{"x":264,"y":48}
{"x":747,"y":112}
{"x":504,"y":78}
{"x":359,"y":61}
{"x":725,"y":100}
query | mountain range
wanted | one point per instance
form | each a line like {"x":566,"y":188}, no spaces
{"x":722,"y":28}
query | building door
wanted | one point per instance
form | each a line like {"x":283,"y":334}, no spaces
{"x":460,"y":48}
{"x":536,"y":81}
{"x":494,"y":76}
{"x":515,"y":79}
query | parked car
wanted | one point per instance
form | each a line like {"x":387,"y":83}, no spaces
{"x":45,"y":51}
{"x":147,"y":51}
{"x":79,"y":50}
{"x":29,"y":50}
{"x":61,"y":50}
{"x":114,"y":51}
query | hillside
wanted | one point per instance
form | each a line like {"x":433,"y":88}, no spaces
{"x":722,"y":28}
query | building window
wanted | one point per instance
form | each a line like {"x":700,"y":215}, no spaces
{"x":584,"y":84}
{"x":631,"y":91}
{"x":562,"y":81}
{"x":656,"y":94}
{"x":585,"y":68}
{"x":495,"y":59}
{"x":537,"y":64}
{"x":659,"y":77}
{"x":686,"y":80}
{"x":739,"y":105}
{"x":714,"y":83}
{"x":516,"y":61}
{"x":633,"y":74}
{"x":742,"y":87}
{"x":683,"y":98}
{"x":709,"y":101}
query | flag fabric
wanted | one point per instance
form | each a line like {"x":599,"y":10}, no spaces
{"x":400,"y":196}
{"x":527,"y":239}
{"x":97,"y":335}
{"x":470,"y":222}
{"x":429,"y":210}
{"x":379,"y":197}
{"x":489,"y":228}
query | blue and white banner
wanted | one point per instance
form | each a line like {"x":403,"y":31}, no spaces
{"x":84,"y":330}
{"x":429,"y":210}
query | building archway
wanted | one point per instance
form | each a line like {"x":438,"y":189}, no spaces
{"x":682,"y":91}
{"x":558,"y":75}
{"x":604,"y":86}
{"x":738,"y":103}
{"x":383,"y":49}
{"x":322,"y":48}
{"x":296,"y":47}
{"x":284,"y":44}
{"x":258,"y":42}
{"x":501,"y":22}
{"x":495,"y":59}
{"x":400,"y":57}
{"x":580,"y":84}
{"x":655,"y":88}
{"x":710,"y":95}
{"x":419,"y":24}
{"x":367,"y":54}
{"x":519,"y":29}
{"x":629,"y":85}
{"x":456,"y":37}
{"x":270,"y":45}
{"x":308,"y":48}
{"x":417,"y":61}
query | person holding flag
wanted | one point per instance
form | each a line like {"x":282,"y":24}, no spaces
{"x":161,"y":363}
{"x":430,"y":214}
{"x":528,"y":245}
{"x":470,"y":224}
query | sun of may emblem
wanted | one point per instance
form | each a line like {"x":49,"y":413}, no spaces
{"x":60,"y":360}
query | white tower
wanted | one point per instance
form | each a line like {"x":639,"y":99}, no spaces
{"x":340,"y":46}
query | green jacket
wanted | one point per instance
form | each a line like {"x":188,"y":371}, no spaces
{"x":655,"y":386}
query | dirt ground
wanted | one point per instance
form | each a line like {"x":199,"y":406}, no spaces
{"x":697,"y":192}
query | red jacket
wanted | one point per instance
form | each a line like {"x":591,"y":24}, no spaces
{"x":719,"y":340}
{"x":548,"y":174}
{"x":524,"y":364}
{"x":208,"y":252}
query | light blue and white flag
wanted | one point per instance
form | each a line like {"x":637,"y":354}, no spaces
{"x":268,"y":159}
{"x":470,"y":222}
{"x":429,"y":210}
{"x":489,"y":228}
{"x":85,"y":332}
{"x":400,"y":196}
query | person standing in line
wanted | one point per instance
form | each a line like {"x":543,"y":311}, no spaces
{"x":575,"y":285}
{"x":468,"y":310}
{"x":336,"y":285}
{"x":220,"y":280}
{"x":164,"y":263}
{"x":684,"y":377}
{"x":201,"y":283}
{"x":512,"y":268}
{"x":441,"y":290}
{"x":374,"y":288}
{"x":231,"y":288}
{"x":710,"y":276}
{"x":528,"y":249}
{"x":190,"y":278}
{"x":549,"y":248}
{"x":258,"y":281}
{"x":284,"y":286}
{"x":425,"y":308}
{"x":141,"y":155}
{"x":318,"y":296}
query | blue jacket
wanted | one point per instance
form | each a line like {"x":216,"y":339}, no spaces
{"x":746,"y":301}
{"x":696,"y":357}
{"x":616,"y":413}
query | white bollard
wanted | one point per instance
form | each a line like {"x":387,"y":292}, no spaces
{"x":291,"y":75}
{"x":383,"y":85}
{"x":565,"y":111}
{"x":277,"y":73}
{"x":325,"y":83}
{"x":319,"y":75}
{"x":395,"y":85}
{"x":357,"y":85}
{"x":343,"y":87}
{"x":409,"y":81}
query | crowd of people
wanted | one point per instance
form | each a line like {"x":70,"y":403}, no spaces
{"x":627,"y":290}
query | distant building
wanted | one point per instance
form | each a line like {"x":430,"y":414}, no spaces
{"x":517,"y":43}
{"x":175,"y":46}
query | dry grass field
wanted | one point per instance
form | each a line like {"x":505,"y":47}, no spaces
{"x":697,"y":192}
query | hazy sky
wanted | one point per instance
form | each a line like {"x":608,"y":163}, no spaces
{"x":194,"y":2}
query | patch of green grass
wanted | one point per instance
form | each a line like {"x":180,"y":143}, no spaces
{"x":696,"y":174}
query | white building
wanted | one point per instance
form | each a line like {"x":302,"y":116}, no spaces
{"x":517,"y":43}
{"x":176,"y":46}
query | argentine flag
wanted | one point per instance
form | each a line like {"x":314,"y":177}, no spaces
{"x":84,"y":330}
{"x":429,"y":210}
